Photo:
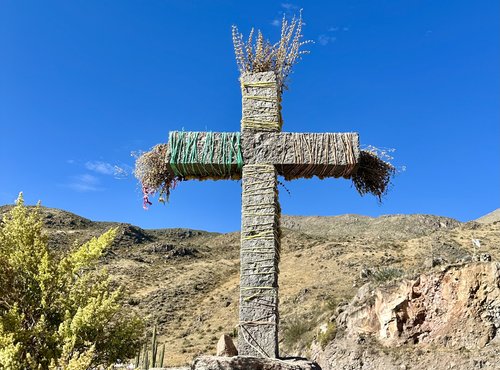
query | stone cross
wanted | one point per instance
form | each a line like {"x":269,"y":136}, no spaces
{"x":257,"y":155}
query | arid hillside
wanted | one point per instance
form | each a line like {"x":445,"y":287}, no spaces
{"x":187,"y":280}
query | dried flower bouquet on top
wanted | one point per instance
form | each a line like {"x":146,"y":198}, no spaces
{"x":262,"y":56}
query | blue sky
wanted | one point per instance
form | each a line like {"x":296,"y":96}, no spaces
{"x":85,"y":83}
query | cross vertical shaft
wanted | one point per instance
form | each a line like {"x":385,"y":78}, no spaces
{"x":259,"y":257}
{"x":260,"y":231}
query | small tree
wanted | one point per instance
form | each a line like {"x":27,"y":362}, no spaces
{"x":58,"y":311}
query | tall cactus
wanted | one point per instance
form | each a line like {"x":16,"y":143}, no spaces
{"x":145,"y":357}
{"x":136,"y":364}
{"x":155,"y":359}
{"x":154,"y":347}
{"x":162,"y":355}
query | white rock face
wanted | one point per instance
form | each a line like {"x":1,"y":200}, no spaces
{"x":445,"y":318}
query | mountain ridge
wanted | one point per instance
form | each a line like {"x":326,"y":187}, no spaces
{"x":55,"y":217}
{"x":493,"y":216}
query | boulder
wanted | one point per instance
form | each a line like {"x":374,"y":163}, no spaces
{"x":226,"y":347}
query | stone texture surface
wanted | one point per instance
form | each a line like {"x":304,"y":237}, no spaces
{"x":259,"y":256}
{"x":448,"y":319}
{"x":303,"y":154}
{"x":260,"y":102}
{"x":226,"y":347}
{"x":251,"y":363}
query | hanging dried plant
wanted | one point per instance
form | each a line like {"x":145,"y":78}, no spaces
{"x":373,"y":175}
{"x":155,"y":174}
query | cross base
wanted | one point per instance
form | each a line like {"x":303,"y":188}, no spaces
{"x":254,"y":363}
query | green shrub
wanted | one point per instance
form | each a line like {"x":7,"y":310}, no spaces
{"x":58,"y":311}
{"x":386,"y":274}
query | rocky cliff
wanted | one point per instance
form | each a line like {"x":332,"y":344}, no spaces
{"x":445,"y":319}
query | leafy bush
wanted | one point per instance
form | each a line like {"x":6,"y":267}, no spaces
{"x":58,"y":311}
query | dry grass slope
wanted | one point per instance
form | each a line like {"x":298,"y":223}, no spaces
{"x":490,"y":217}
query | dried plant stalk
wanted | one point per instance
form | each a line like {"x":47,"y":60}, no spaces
{"x":264,"y":56}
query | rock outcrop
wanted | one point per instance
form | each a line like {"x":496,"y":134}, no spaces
{"x":449,"y":319}
{"x":226,"y":347}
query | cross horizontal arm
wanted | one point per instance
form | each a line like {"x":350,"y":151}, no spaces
{"x":221,"y":155}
